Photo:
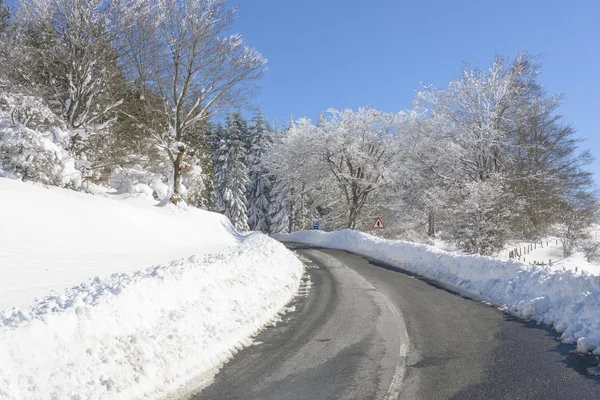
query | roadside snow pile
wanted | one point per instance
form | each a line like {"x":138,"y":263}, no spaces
{"x":145,"y":334}
{"x":115,"y":317}
{"x":569,"y":302}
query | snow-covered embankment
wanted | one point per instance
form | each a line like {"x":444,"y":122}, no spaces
{"x":569,"y":302}
{"x":141,"y":333}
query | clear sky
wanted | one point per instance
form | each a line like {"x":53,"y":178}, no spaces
{"x":350,"y":53}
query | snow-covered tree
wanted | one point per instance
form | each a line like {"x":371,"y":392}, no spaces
{"x":231,"y":178}
{"x":259,"y":190}
{"x":337,"y":165}
{"x":198,"y":177}
{"x":547,"y":165}
{"x":498,"y":125}
{"x":281,"y":208}
{"x":360,"y":150}
{"x":179,"y":51}
{"x":481,"y":222}
{"x":296,"y":168}
{"x":68,"y":57}
{"x":576,"y":217}
{"x":37,"y":156}
{"x":5,"y":11}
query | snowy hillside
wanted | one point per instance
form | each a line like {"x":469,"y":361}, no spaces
{"x":568,"y":301}
{"x":54,"y":238}
{"x":133,"y":301}
{"x":545,"y":251}
{"x":551,"y":249}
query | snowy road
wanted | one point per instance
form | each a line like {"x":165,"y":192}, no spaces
{"x":346,"y":341}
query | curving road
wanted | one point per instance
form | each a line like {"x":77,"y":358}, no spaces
{"x":347,"y":340}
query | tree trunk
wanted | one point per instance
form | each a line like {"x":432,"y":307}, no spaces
{"x":352,"y":215}
{"x":176,"y":196}
{"x":291,"y":219}
{"x":431,"y":224}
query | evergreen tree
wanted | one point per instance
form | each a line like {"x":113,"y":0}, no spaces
{"x":260,"y":140}
{"x":198,"y":174}
{"x":280,"y":210}
{"x":281,"y":207}
{"x":216,"y":135}
{"x":231,"y":179}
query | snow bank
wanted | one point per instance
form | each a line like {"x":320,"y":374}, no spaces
{"x":52,"y":238}
{"x":551,"y":248}
{"x":569,"y":302}
{"x":141,"y":325}
{"x":143,"y":334}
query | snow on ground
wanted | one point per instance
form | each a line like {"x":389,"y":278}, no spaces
{"x":52,"y":238}
{"x":552,"y":251}
{"x":568,"y":301}
{"x":549,"y":249}
{"x":137,"y":329}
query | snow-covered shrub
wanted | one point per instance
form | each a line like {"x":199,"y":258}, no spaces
{"x":194,"y":181}
{"x":134,"y":180}
{"x":30,"y":111}
{"x":36,"y":156}
{"x":591,"y":249}
{"x":33,"y":143}
{"x":480,"y":221}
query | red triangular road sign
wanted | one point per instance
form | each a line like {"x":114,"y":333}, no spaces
{"x":378,"y":224}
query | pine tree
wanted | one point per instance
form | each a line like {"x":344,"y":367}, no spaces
{"x":231,"y":179}
{"x":280,"y":210}
{"x":220,"y":162}
{"x":198,"y":174}
{"x":281,"y":207}
{"x":260,"y":140}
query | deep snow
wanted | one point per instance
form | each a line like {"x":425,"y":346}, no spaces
{"x":52,"y":238}
{"x":109,"y":322}
{"x":568,"y":301}
{"x":552,"y":250}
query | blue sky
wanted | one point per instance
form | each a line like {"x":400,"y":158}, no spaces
{"x":350,"y":54}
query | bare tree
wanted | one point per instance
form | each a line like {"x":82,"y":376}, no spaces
{"x":178,"y":53}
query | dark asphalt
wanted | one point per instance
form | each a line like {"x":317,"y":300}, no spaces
{"x":345,"y":341}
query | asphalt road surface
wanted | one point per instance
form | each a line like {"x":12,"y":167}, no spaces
{"x":366,"y":330}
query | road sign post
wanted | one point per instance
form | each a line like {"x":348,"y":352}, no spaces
{"x":316,"y":225}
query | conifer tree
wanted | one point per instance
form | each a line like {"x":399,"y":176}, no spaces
{"x":281,"y":208}
{"x":231,"y":178}
{"x":260,"y":140}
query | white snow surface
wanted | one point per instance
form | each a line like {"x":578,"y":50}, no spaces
{"x":119,"y":313}
{"x":551,"y":249}
{"x":52,"y":238}
{"x":568,"y":301}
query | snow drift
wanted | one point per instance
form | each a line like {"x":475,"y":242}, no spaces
{"x":569,"y":302}
{"x":126,"y":332}
{"x":52,"y":238}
